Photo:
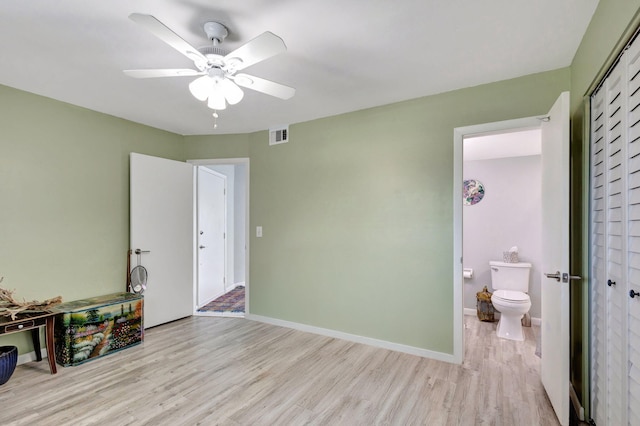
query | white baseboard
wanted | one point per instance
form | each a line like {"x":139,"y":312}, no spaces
{"x":219,"y":314}
{"x":31,"y":356}
{"x":472,"y":312}
{"x":412,"y":350}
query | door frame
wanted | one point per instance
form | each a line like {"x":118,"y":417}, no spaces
{"x":459,"y":133}
{"x":230,"y":161}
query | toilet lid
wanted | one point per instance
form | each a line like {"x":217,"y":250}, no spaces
{"x":511,"y":296}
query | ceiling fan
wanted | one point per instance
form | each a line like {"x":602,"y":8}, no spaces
{"x":219,"y":82}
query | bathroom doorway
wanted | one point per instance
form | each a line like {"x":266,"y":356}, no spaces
{"x":464,"y":294}
{"x":502,"y":171}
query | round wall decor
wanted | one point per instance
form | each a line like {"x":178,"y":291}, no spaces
{"x":472,"y":192}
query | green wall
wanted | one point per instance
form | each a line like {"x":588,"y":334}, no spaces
{"x":357,"y":212}
{"x":356,"y":209}
{"x":64,"y":197}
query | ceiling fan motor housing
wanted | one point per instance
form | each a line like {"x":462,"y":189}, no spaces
{"x":216,"y":32}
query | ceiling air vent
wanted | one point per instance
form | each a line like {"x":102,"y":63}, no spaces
{"x":278,"y":135}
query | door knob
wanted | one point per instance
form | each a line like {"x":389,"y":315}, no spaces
{"x":610,"y":283}
{"x":555,"y":276}
{"x":633,"y":294}
{"x":202,"y":247}
{"x":566,"y":277}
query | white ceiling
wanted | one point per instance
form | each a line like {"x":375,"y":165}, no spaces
{"x":343,"y":55}
{"x":518,"y":143}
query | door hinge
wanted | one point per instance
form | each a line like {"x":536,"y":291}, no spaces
{"x":224,"y":280}
{"x":224,"y":235}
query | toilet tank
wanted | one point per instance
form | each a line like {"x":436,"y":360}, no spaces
{"x":510,"y":276}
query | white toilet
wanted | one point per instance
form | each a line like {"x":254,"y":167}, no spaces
{"x":510,"y":282}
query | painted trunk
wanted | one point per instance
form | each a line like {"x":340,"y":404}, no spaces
{"x":90,"y":328}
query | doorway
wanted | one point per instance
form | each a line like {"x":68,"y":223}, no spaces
{"x":462,"y":298}
{"x":506,"y":214}
{"x":555,"y":160}
{"x":231,"y":299}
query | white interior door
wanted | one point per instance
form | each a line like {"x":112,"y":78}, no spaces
{"x":161,"y":214}
{"x":555,"y":257}
{"x":211,"y":235}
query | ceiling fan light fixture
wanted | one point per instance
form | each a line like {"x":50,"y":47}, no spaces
{"x":216,"y":100}
{"x":231,"y":91}
{"x":219,"y":83}
{"x":201,"y":87}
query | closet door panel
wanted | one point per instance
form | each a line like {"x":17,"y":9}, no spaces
{"x":598,"y":260}
{"x":615,"y":132}
{"x":633,"y":230}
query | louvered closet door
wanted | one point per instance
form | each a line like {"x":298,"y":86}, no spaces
{"x":609,"y":250}
{"x":615,"y":131}
{"x":598,"y":261}
{"x":615,"y":244}
{"x":633,"y":229}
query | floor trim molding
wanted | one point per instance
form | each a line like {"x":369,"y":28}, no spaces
{"x":31,"y":356}
{"x":412,"y":350}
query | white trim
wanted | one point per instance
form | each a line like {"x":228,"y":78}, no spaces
{"x":219,"y":314}
{"x":31,"y":356}
{"x":246,"y":163}
{"x":412,"y":350}
{"x":458,"y":282}
{"x":458,"y":277}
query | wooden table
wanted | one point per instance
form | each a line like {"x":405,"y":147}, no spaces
{"x":33,"y":322}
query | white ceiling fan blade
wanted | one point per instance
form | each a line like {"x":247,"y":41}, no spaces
{"x":231,"y":91}
{"x":265,"y":86}
{"x":157,"y":28}
{"x":260,"y":48}
{"x":153,"y":73}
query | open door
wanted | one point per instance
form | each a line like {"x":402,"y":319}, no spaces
{"x":212,"y":250}
{"x":161,"y":214}
{"x":555,"y":257}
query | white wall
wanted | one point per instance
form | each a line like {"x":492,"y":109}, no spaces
{"x":508,"y":215}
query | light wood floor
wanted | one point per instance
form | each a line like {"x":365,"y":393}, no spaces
{"x":231,"y":371}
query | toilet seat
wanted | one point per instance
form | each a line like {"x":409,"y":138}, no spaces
{"x":512,"y":296}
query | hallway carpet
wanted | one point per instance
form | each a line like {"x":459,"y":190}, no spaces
{"x":232,"y":301}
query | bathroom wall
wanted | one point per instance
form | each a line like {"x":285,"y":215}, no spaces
{"x":508,"y":215}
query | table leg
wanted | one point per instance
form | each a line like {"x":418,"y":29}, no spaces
{"x":35,"y":338}
{"x":51,"y":352}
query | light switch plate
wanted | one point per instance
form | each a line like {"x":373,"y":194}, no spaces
{"x":258,"y":231}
